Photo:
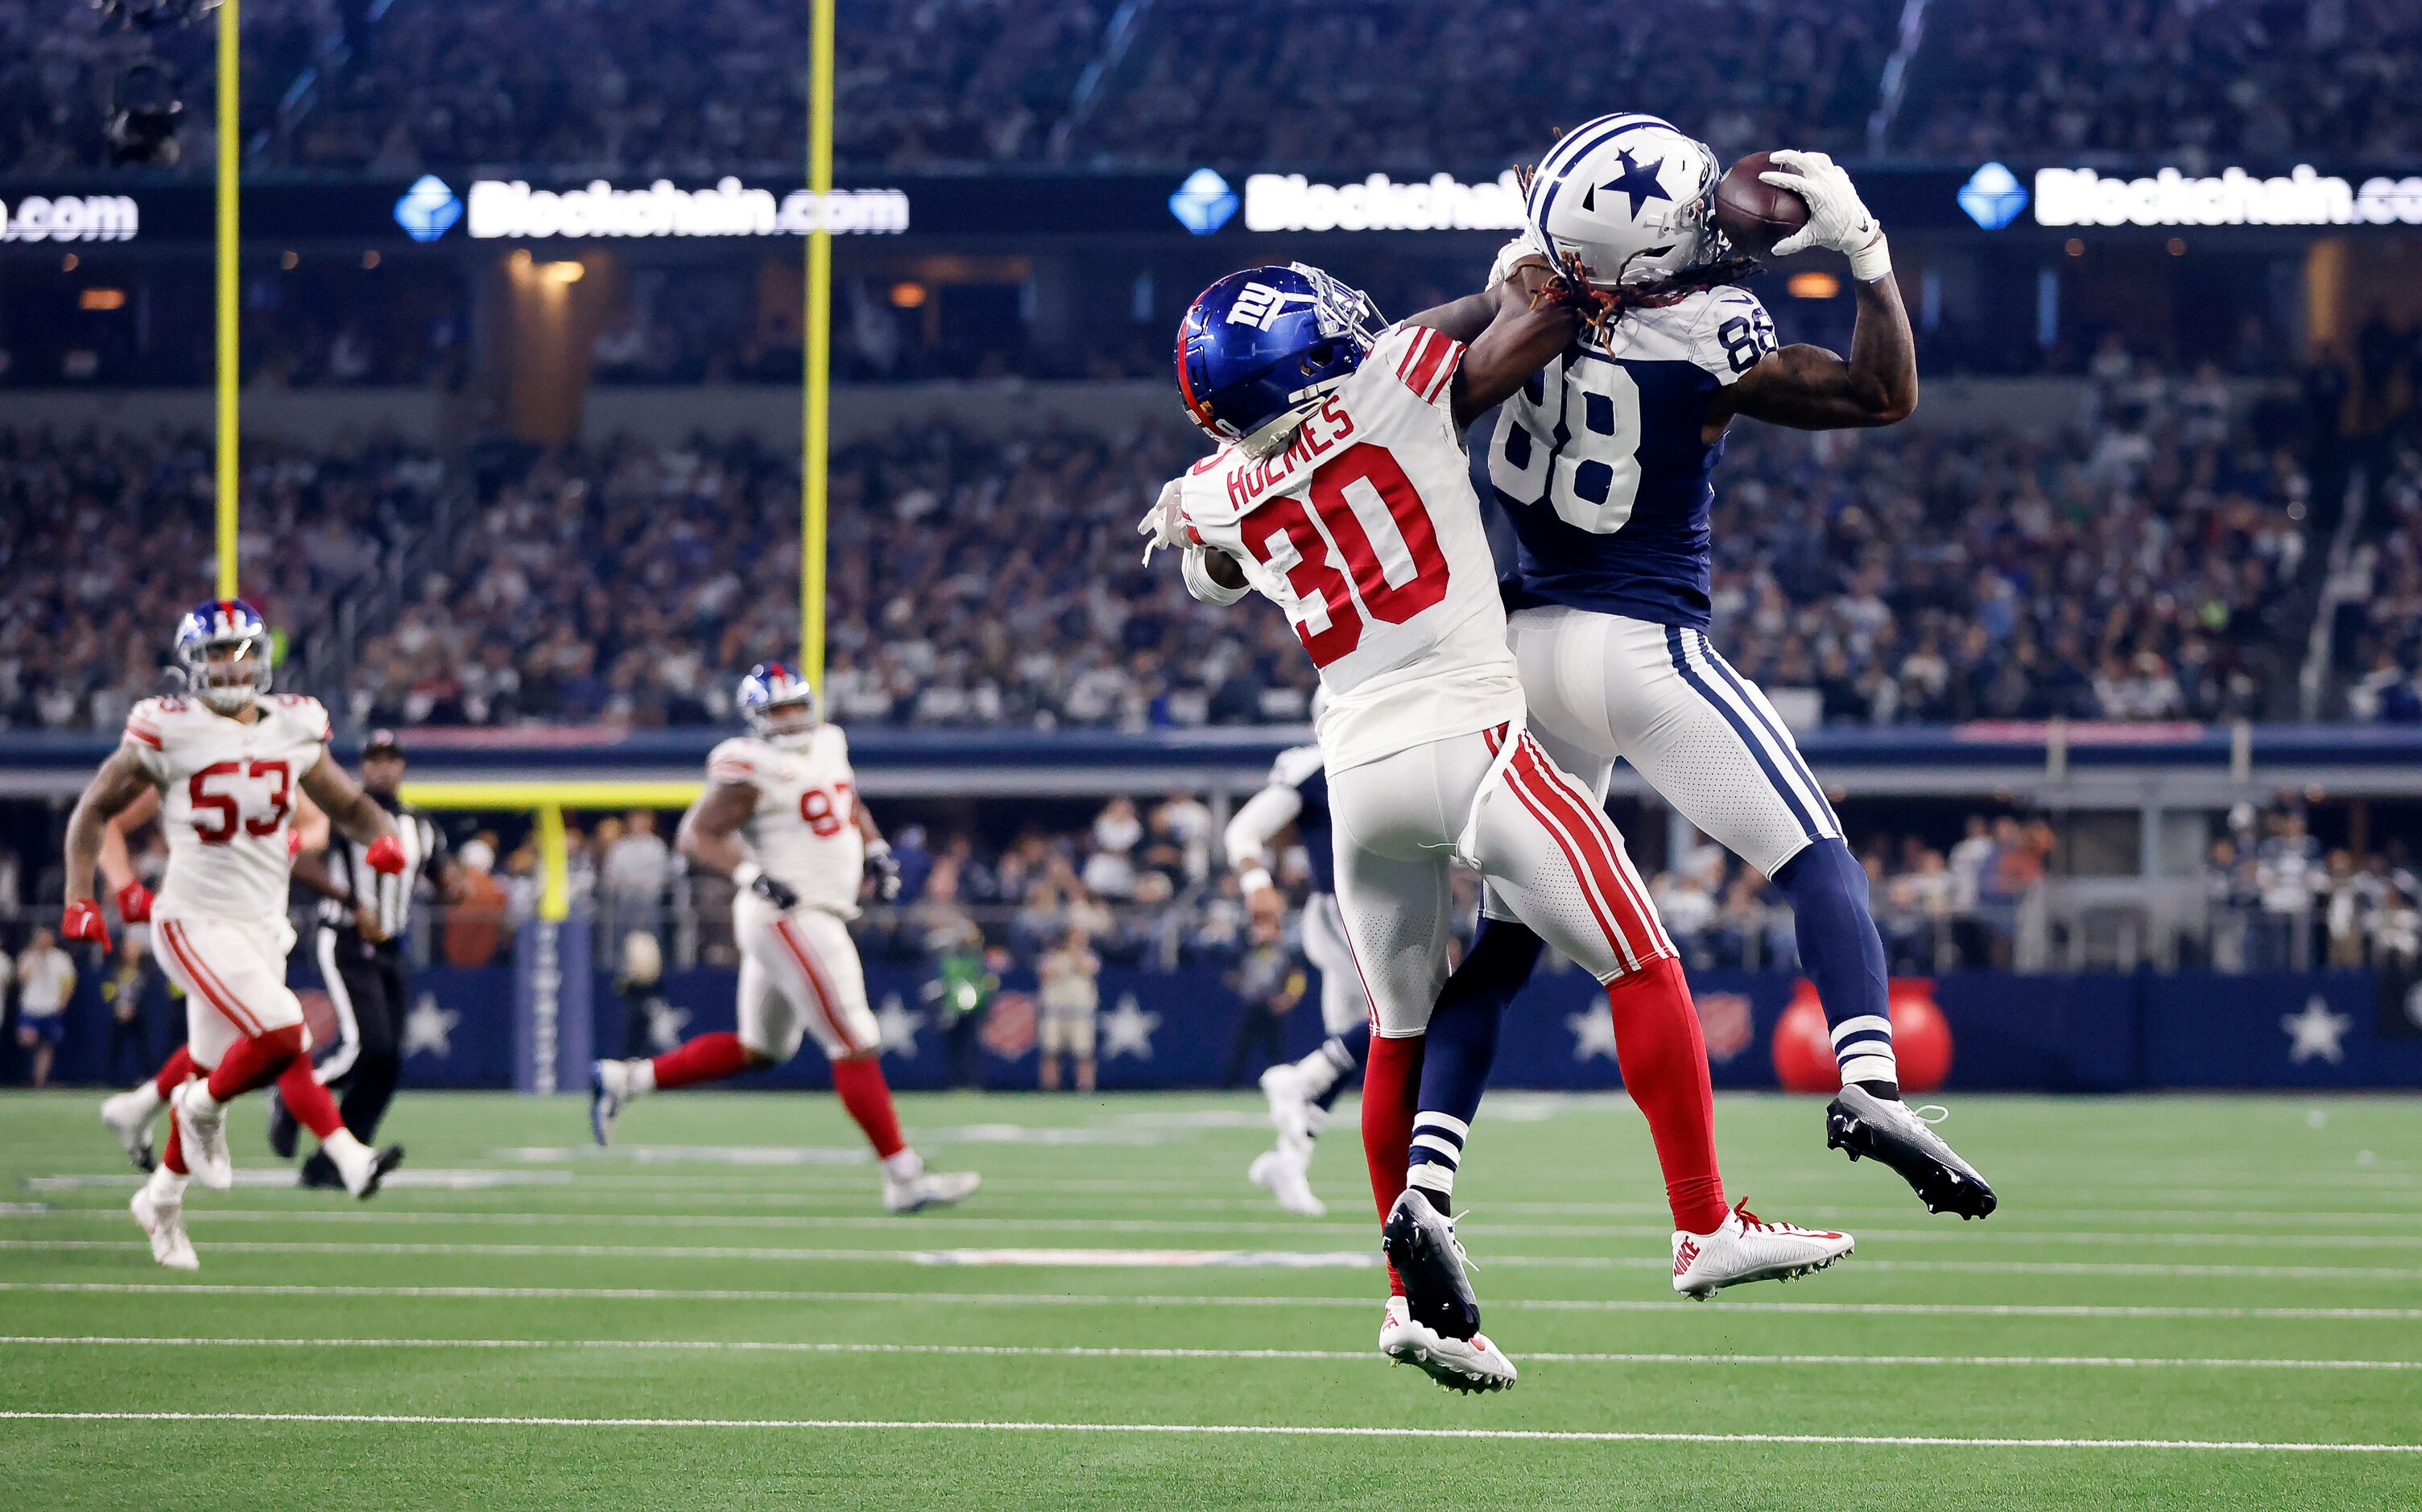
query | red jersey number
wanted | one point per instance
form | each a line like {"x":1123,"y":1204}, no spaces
{"x":822,"y":813}
{"x":1314,"y":574}
{"x":225,"y":811}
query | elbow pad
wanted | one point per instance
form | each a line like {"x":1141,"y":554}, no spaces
{"x":1200,"y":583}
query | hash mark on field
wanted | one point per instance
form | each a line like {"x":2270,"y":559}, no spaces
{"x":1583,"y":1304}
{"x":1222,"y":1429}
{"x":1150,"y":1352}
{"x":1190,"y":1259}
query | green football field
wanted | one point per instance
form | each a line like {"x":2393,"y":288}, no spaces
{"x":2183,"y":1301}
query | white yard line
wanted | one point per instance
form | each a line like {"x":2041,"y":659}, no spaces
{"x":1222,"y":1429}
{"x":1031,"y":1257}
{"x":1584,"y":1304}
{"x":1141,"y":1352}
{"x":1962,"y":1233}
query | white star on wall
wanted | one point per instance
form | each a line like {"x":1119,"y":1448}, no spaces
{"x":429,"y":1028}
{"x":665,"y":1024}
{"x":1593,"y":1034}
{"x":2316,"y":1031}
{"x":898,"y":1027}
{"x":1126,"y":1029}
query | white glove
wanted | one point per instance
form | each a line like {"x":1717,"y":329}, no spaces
{"x":1164,"y":524}
{"x":1836,"y":216}
{"x":1205,"y":587}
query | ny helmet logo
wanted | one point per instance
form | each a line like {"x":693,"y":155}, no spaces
{"x":1260,"y":305}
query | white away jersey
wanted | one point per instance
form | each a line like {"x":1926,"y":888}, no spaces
{"x":1366,"y":532}
{"x":227,"y":794}
{"x":804,"y":830}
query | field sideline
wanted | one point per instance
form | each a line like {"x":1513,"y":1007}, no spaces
{"x":2206,"y":1302}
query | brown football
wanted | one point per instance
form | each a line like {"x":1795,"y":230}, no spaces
{"x":1755,"y":214}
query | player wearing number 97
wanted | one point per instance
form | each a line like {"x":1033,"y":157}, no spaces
{"x":1604,"y":463}
{"x":1341,"y":492}
{"x":781,"y":817}
{"x":229,"y":762}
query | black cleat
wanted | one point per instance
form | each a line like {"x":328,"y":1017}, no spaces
{"x":284,"y":1129}
{"x":387,"y":1160}
{"x":1863,"y":1123}
{"x":1420,"y":1243}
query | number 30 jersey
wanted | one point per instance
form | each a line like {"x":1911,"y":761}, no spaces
{"x":228,"y":796}
{"x":1365,"y":530}
{"x":804,"y":830}
{"x":1598,"y":461}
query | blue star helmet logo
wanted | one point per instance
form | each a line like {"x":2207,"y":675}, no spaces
{"x":1204,"y":202}
{"x":428,"y":208}
{"x":1992,"y":196}
{"x":1638,"y":183}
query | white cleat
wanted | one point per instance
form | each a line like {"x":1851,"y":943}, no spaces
{"x":929,"y":1189}
{"x":609,"y":1088}
{"x":1472,"y":1364}
{"x":129,"y":1115}
{"x":1744,"y":1249}
{"x":205,"y":1141}
{"x":1280,"y":1173}
{"x":166,"y":1223}
{"x":1291,"y":1107}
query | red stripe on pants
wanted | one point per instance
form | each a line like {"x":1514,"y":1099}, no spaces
{"x":799,"y":952}
{"x":213,"y":991}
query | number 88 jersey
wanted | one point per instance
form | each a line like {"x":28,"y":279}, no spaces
{"x":804,"y":830}
{"x":1600,"y":465}
{"x":227,"y":794}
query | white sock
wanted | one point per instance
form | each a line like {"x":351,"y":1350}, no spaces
{"x":199,"y":1105}
{"x":641,"y":1078}
{"x":905,"y":1166}
{"x":167,"y":1188}
{"x":1319,"y":1071}
{"x":148,"y":1095}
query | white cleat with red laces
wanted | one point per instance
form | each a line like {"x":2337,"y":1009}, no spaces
{"x":1746,"y":1248}
{"x":1472,"y":1364}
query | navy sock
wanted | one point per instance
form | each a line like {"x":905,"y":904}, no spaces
{"x":1345,"y":1052}
{"x":1841,"y":954}
{"x":1463,"y":1028}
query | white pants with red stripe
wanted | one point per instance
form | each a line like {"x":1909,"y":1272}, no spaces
{"x":1549,"y":855}
{"x":799,"y":975}
{"x":233,"y":975}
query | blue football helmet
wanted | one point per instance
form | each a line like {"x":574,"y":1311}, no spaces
{"x":1259,"y":348}
{"x":779,"y":705}
{"x":223,"y":648}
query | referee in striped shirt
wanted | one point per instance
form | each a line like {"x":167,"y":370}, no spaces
{"x":360,"y":945}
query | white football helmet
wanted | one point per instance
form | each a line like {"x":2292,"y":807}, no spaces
{"x":1629,"y":195}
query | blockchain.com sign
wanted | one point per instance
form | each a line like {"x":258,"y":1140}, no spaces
{"x":2233,"y":197}
{"x":512,"y":209}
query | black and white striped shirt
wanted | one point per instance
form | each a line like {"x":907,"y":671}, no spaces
{"x":424,"y":854}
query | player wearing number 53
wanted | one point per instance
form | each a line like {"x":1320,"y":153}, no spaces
{"x":228,"y":762}
{"x":780,"y":818}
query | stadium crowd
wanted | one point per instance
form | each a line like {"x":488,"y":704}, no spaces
{"x":585,"y":87}
{"x":2143,"y":564}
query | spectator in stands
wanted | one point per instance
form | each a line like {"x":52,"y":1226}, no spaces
{"x":1269,"y":982}
{"x":1068,"y":997}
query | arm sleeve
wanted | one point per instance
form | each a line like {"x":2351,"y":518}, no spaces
{"x":143,"y":738}
{"x":1254,"y":825}
{"x":1424,"y":360}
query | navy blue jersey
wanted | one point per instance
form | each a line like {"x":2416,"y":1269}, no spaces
{"x":1302,"y":770}
{"x":1599,"y":466}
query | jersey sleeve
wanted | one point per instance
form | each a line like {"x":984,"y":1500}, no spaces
{"x":145,"y":738}
{"x":733,"y":760}
{"x":1423,"y":360}
{"x":1731,"y":334}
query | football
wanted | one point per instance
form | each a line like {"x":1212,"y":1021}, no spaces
{"x":1755,"y":214}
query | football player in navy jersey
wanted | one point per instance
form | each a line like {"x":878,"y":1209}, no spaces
{"x":1603,"y":465}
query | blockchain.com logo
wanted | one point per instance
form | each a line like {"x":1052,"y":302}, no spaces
{"x":1204,"y":202}
{"x":1992,"y":196}
{"x":428,"y":210}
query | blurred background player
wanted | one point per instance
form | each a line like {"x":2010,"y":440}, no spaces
{"x":46,"y":978}
{"x":363,"y":915}
{"x":1068,"y":999}
{"x":1603,"y":468}
{"x":1302,"y":1092}
{"x":1269,"y":982}
{"x":780,"y":818}
{"x":1315,"y":407}
{"x":228,"y":762}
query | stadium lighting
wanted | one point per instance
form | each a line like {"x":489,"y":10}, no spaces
{"x":566,"y":271}
{"x":1813,"y":285}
